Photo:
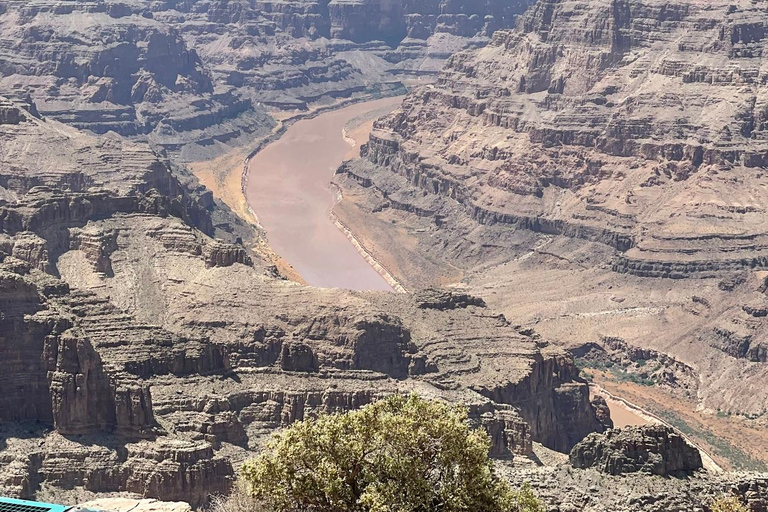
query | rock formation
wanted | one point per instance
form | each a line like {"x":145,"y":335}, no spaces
{"x":599,"y":150}
{"x":571,"y":490}
{"x":197,"y":77}
{"x":653,"y":449}
{"x":149,"y":352}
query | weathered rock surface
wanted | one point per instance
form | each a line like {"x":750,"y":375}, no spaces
{"x":598,"y":150}
{"x":132,"y":505}
{"x":198,"y":77}
{"x":566,"y":489}
{"x":653,"y":449}
{"x":560,"y":130}
{"x":145,"y":355}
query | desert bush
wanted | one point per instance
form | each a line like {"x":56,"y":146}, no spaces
{"x":728,"y":504}
{"x":239,"y":500}
{"x":401,"y":454}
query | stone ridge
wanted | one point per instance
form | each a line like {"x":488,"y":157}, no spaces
{"x":145,"y":356}
{"x":199,"y":77}
{"x":638,"y":125}
{"x":652,"y":449}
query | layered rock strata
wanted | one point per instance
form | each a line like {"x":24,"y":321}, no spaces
{"x":149,"y":352}
{"x":618,"y":134}
{"x":598,"y":150}
{"x":199,"y":77}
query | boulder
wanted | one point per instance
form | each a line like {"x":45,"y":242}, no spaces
{"x":653,"y":449}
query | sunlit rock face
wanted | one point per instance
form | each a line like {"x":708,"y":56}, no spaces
{"x":147,"y":350}
{"x":600,"y":149}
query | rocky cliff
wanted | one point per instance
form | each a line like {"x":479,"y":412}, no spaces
{"x":199,"y":77}
{"x":601,"y":149}
{"x":149,"y":351}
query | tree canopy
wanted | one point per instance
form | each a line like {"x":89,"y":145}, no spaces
{"x":400,"y":454}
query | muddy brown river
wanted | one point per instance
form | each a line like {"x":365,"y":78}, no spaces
{"x":289,"y":190}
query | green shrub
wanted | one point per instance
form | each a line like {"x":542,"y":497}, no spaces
{"x":728,"y":504}
{"x":401,"y":454}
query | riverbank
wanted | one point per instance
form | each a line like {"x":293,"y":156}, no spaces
{"x":227,"y":177}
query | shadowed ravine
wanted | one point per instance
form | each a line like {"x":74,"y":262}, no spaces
{"x":292,"y":198}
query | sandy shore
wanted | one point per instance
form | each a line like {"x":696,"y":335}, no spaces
{"x":289,"y":189}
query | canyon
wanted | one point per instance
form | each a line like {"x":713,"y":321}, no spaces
{"x":288,"y":187}
{"x":595,"y":174}
{"x":149,"y":351}
{"x":576,"y":195}
{"x":202,"y":76}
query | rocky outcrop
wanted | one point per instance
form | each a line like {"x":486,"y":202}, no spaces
{"x":58,"y":376}
{"x":568,"y":490}
{"x":653,"y":449}
{"x":432,"y":298}
{"x":152,"y":356}
{"x":220,"y":254}
{"x":559,"y":131}
{"x":740,"y":346}
{"x":9,"y":113}
{"x":510,"y":434}
{"x":557,"y":407}
{"x":602,"y":412}
{"x":179,"y":470}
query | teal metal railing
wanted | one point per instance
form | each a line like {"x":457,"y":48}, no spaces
{"x":14,"y":505}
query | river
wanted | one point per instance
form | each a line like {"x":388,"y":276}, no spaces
{"x":289,"y":190}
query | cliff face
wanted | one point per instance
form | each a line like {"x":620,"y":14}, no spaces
{"x":145,"y":356}
{"x":550,"y":124}
{"x":418,"y":19}
{"x":599,"y":149}
{"x":199,"y":77}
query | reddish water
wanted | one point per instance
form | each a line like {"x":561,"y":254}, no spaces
{"x":288,"y":188}
{"x":623,"y":416}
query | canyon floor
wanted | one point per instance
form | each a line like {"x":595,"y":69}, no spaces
{"x":569,"y":304}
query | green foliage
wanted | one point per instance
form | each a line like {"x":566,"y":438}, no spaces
{"x":525,"y":500}
{"x":402,"y":454}
{"x":728,"y":504}
{"x":720,"y":446}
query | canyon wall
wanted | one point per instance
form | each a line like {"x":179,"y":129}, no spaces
{"x":610,"y":150}
{"x":150,"y":352}
{"x":203,"y":76}
{"x":617,"y":111}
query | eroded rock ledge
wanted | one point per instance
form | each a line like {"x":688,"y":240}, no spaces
{"x":145,"y":356}
{"x":596,"y":135}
